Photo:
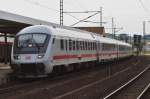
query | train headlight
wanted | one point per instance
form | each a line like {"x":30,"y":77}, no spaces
{"x":17,"y":57}
{"x":40,"y":56}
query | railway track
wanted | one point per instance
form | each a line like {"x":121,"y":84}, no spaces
{"x":145,"y":93}
{"x":60,"y":87}
{"x":97,"y":89}
{"x":135,"y":88}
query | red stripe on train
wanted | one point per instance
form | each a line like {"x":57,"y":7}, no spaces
{"x":59,"y":57}
{"x":64,"y":57}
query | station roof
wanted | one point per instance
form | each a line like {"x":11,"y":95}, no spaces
{"x":98,"y":30}
{"x":12,"y":23}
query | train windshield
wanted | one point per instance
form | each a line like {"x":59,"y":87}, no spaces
{"x":31,"y":43}
{"x":31,"y":40}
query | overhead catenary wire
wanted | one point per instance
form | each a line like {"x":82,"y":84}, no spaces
{"x":43,"y":6}
{"x":52,"y":9}
{"x":94,"y":21}
{"x":85,"y":18}
{"x":38,"y":4}
{"x":144,"y":7}
{"x":85,"y":12}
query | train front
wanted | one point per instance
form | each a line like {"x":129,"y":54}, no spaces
{"x":29,"y":58}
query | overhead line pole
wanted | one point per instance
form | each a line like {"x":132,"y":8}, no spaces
{"x":61,"y":12}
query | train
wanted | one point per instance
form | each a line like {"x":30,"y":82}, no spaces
{"x":39,"y":50}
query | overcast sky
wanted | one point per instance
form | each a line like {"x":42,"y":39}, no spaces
{"x":128,"y":14}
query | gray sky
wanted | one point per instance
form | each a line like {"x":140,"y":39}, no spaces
{"x":128,"y":14}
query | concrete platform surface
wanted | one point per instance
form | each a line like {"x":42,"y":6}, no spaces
{"x":4,"y":66}
{"x":4,"y":71}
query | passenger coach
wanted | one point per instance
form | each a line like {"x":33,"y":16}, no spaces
{"x":39,"y":50}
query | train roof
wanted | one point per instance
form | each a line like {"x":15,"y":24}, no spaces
{"x":70,"y":32}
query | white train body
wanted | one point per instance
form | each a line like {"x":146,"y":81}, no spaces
{"x":38,"y":49}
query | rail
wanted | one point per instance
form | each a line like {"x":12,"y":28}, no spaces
{"x":126,"y":84}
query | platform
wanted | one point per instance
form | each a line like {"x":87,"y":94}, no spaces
{"x":4,"y":71}
{"x":4,"y":66}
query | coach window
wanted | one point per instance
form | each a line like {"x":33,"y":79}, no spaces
{"x":120,"y":48}
{"x":90,"y":46}
{"x":70,"y":44}
{"x":77,"y":45}
{"x":103,"y":46}
{"x":74,"y":45}
{"x":62,"y":44}
{"x":66,"y":45}
{"x":84,"y":45}
{"x":80,"y":45}
{"x":93,"y":45}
